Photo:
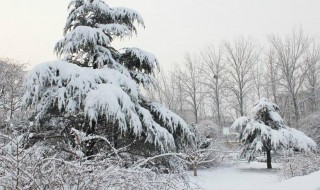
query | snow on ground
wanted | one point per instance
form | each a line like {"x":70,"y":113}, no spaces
{"x":246,"y":176}
{"x":252,"y":176}
{"x":309,"y":182}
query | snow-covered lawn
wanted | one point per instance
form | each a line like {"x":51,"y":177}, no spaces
{"x":252,"y":176}
{"x":309,"y":182}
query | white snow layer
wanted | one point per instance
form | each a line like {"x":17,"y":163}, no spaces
{"x":308,"y":182}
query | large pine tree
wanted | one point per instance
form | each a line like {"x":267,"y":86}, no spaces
{"x":266,"y":131}
{"x":95,"y":88}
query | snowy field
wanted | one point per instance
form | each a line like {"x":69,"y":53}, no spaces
{"x":252,"y":176}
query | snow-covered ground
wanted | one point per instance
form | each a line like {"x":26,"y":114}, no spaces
{"x":252,"y":176}
{"x":309,"y":182}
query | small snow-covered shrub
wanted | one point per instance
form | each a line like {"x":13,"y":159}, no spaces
{"x":208,"y":134}
{"x":210,"y":149}
{"x":299,"y":165}
{"x":310,"y":126}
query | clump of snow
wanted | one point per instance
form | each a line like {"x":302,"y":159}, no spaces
{"x":111,"y":101}
{"x":240,"y":123}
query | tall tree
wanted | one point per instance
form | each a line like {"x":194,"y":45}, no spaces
{"x":312,"y":79}
{"x":96,"y":89}
{"x":192,"y":84}
{"x":272,"y":74}
{"x":267,"y":131}
{"x":258,"y":77}
{"x":291,"y":62}
{"x":240,"y":57}
{"x":215,"y":72}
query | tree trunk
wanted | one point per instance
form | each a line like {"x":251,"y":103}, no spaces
{"x":296,"y":108}
{"x":269,"y":166}
{"x":241,"y":102}
{"x":195,"y":169}
{"x":218,"y":100}
{"x":274,"y":93}
{"x":91,"y":143}
{"x":196,"y":115}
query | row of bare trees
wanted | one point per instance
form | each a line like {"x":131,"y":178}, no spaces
{"x":222,"y":82}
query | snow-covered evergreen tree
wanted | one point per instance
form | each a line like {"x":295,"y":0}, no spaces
{"x":267,"y":131}
{"x":95,"y":88}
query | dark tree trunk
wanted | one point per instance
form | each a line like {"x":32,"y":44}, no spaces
{"x":91,"y":144}
{"x":269,"y":166}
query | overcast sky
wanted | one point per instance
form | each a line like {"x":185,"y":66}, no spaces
{"x":29,"y":29}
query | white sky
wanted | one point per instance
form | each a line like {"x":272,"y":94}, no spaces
{"x":29,"y":29}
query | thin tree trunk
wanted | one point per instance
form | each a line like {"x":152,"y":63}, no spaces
{"x":241,"y":105}
{"x":218,"y":102}
{"x":296,"y":109}
{"x":274,"y":94}
{"x":195,"y":169}
{"x":269,"y":166}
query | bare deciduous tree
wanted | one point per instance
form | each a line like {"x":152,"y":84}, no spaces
{"x":215,"y":79}
{"x":192,"y":84}
{"x":11,"y":79}
{"x":291,"y":62}
{"x":258,"y":76}
{"x":241,"y":55}
{"x":312,"y":79}
{"x":169,"y":91}
{"x":272,"y":74}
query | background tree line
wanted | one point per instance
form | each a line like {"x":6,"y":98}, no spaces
{"x":221,"y":82}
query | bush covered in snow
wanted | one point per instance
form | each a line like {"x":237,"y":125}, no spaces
{"x":299,"y":165}
{"x":37,"y":168}
{"x":210,"y":146}
{"x":207,"y":133}
{"x":310,"y":125}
